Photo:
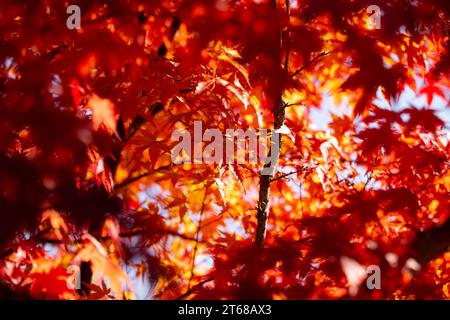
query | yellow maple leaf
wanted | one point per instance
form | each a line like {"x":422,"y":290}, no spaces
{"x":103,"y":113}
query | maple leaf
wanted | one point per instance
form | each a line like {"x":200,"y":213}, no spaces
{"x":430,"y":91}
{"x":104,"y":114}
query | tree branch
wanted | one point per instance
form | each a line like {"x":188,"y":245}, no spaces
{"x":288,"y":44}
{"x":140,"y":176}
{"x":268,"y":171}
{"x":139,"y":231}
{"x":320,"y":55}
{"x":267,"y":176}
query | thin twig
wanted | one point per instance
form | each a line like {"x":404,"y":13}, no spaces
{"x":288,"y":174}
{"x":139,"y":231}
{"x":197,"y":238}
{"x":288,"y":44}
{"x":191,"y":290}
{"x":299,"y":104}
{"x":140,"y":176}
{"x":266,"y":176}
{"x":320,"y":55}
{"x":369,"y":179}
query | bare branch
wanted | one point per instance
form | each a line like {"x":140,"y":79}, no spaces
{"x":288,"y":45}
{"x":432,"y":243}
{"x":266,"y":178}
{"x":309,"y":63}
{"x":140,"y":176}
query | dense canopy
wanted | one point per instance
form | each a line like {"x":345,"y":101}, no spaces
{"x":356,"y":91}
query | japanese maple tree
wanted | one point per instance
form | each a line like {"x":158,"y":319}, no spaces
{"x":360,"y":179}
